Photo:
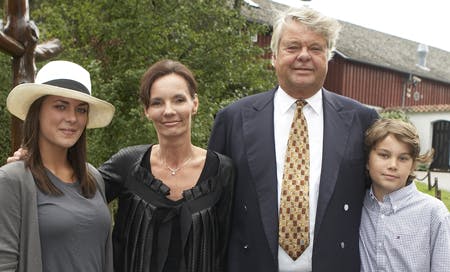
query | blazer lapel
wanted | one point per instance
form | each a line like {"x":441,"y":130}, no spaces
{"x":337,"y":123}
{"x":260,"y":151}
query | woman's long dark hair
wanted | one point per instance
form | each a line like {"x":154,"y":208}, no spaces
{"x":76,"y":155}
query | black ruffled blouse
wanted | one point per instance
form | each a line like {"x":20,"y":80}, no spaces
{"x":154,"y":233}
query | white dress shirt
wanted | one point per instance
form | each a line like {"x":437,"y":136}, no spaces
{"x":284,"y":107}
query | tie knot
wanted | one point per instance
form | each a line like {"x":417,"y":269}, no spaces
{"x":301,"y":103}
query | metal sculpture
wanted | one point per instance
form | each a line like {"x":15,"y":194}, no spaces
{"x":19,"y":39}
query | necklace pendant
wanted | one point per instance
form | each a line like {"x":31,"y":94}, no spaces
{"x":173,"y":171}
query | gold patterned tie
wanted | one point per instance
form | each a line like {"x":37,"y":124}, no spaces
{"x":294,"y":204}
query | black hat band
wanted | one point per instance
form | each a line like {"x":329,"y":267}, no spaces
{"x":68,"y":84}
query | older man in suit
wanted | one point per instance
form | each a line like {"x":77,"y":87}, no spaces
{"x":255,"y":132}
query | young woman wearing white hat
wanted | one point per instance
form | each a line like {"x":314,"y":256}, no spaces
{"x":53,"y":215}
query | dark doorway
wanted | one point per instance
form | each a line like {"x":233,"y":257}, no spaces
{"x":441,"y":146}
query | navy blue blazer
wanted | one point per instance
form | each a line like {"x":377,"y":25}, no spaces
{"x":244,"y":131}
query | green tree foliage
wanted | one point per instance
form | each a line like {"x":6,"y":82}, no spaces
{"x":395,"y":114}
{"x":5,"y":119}
{"x":118,"y":40}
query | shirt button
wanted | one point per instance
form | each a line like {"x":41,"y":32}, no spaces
{"x":382,"y":216}
{"x":346,"y":207}
{"x":342,"y":245}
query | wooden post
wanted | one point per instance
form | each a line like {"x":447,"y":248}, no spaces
{"x":19,"y":39}
{"x":437,"y":192}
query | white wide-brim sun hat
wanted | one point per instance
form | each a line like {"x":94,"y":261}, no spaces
{"x":60,"y":78}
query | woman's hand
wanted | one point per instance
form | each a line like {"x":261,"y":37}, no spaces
{"x":20,"y":154}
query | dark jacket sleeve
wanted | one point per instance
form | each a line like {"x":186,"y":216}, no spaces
{"x":224,"y":207}
{"x":116,"y":169}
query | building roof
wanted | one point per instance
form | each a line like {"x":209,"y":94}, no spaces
{"x":360,"y":44}
{"x":369,"y":46}
{"x":421,"y":108}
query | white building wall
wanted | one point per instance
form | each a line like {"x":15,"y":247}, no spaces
{"x":424,"y":124}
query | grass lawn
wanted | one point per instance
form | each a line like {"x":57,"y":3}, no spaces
{"x":445,"y":196}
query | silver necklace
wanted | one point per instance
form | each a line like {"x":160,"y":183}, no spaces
{"x":173,"y":171}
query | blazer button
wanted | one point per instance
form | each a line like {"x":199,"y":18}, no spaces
{"x":245,"y":246}
{"x":346,"y":207}
{"x":245,"y":208}
{"x":342,"y":245}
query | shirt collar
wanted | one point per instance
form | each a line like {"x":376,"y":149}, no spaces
{"x":286,"y":101}
{"x":395,"y":200}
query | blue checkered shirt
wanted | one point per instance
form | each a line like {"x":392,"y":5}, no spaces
{"x":408,"y":231}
